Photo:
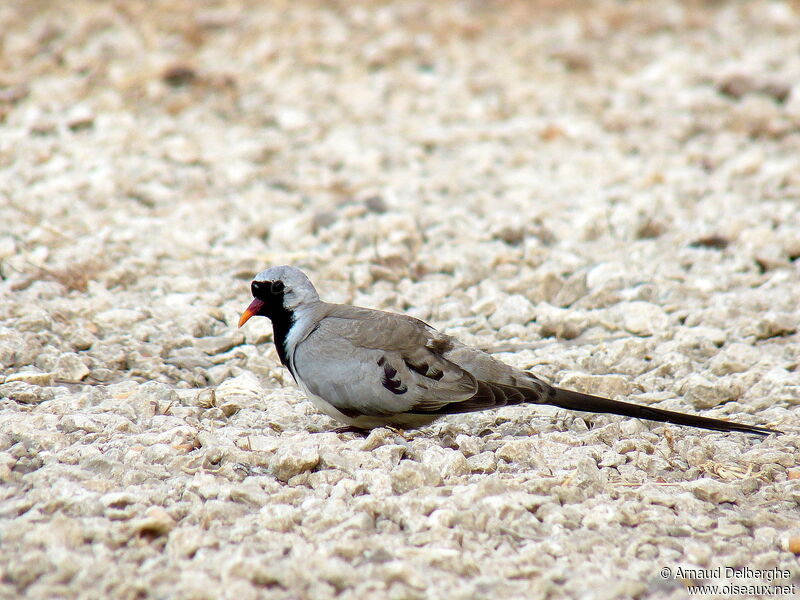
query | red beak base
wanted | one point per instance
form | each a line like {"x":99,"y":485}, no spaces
{"x":255,"y":307}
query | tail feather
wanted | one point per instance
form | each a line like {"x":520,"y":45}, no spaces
{"x":595,"y":404}
{"x":494,"y":395}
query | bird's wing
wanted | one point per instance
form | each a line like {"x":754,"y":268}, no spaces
{"x":368,"y":362}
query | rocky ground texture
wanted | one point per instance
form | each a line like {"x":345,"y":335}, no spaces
{"x":605,"y":193}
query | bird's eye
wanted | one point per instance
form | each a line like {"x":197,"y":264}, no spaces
{"x":277,"y":287}
{"x":258,"y":288}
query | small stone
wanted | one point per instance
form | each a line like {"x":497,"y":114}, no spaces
{"x":279,"y":517}
{"x":574,"y":288}
{"x":156,"y":522}
{"x":323,"y":219}
{"x":8,"y":247}
{"x":291,"y":119}
{"x":82,"y":340}
{"x":701,"y":392}
{"x":293,"y":459}
{"x":710,"y":490}
{"x":485,"y":462}
{"x":179,"y":75}
{"x":641,"y":318}
{"x":517,"y":451}
{"x":561,"y":323}
{"x":469,"y":445}
{"x":378,"y":437}
{"x":607,"y":386}
{"x":25,"y":393}
{"x":77,"y":422}
{"x":715,"y":242}
{"x":541,"y":287}
{"x":514,"y":309}
{"x":80,"y":117}
{"x":770,"y":256}
{"x":185,"y":541}
{"x":376,"y":204}
{"x":120,"y":506}
{"x":218,"y":374}
{"x":763,"y":456}
{"x":237,"y":393}
{"x":736,"y":86}
{"x":776,"y":324}
{"x":149,"y":398}
{"x":258,"y":443}
{"x":777,"y":90}
{"x":188,"y":358}
{"x":32,"y":378}
{"x":118,"y":499}
{"x":734,"y":358}
{"x":574,"y":58}
{"x":410,"y":475}
{"x":698,"y":553}
{"x":14,"y":93}
{"x":264,"y":575}
{"x":512,"y":235}
{"x":390,"y":454}
{"x":43,"y":125}
{"x":118,"y":318}
{"x":219,"y":344}
{"x":447,"y":462}
{"x":699,"y":335}
{"x":587,"y":475}
{"x":71,"y":368}
{"x":610,"y":458}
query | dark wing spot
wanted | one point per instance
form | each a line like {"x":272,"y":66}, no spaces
{"x":425,"y":370}
{"x":421,"y":369}
{"x":381,"y":360}
{"x":391,"y":382}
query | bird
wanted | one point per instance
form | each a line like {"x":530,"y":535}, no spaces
{"x":369,"y":368}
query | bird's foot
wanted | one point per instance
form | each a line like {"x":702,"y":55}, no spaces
{"x":396,"y":430}
{"x":351,"y":429}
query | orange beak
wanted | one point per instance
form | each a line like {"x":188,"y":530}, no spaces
{"x":250,"y":311}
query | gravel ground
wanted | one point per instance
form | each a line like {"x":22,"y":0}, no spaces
{"x":605,"y":193}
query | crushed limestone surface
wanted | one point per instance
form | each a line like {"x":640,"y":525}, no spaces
{"x":605,"y":193}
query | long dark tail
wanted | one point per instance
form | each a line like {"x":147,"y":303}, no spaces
{"x":494,"y":395}
{"x":585,"y":402}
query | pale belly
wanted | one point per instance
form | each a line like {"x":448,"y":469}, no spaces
{"x":408,"y":421}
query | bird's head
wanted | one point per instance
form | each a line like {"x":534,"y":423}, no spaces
{"x":279,"y":290}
